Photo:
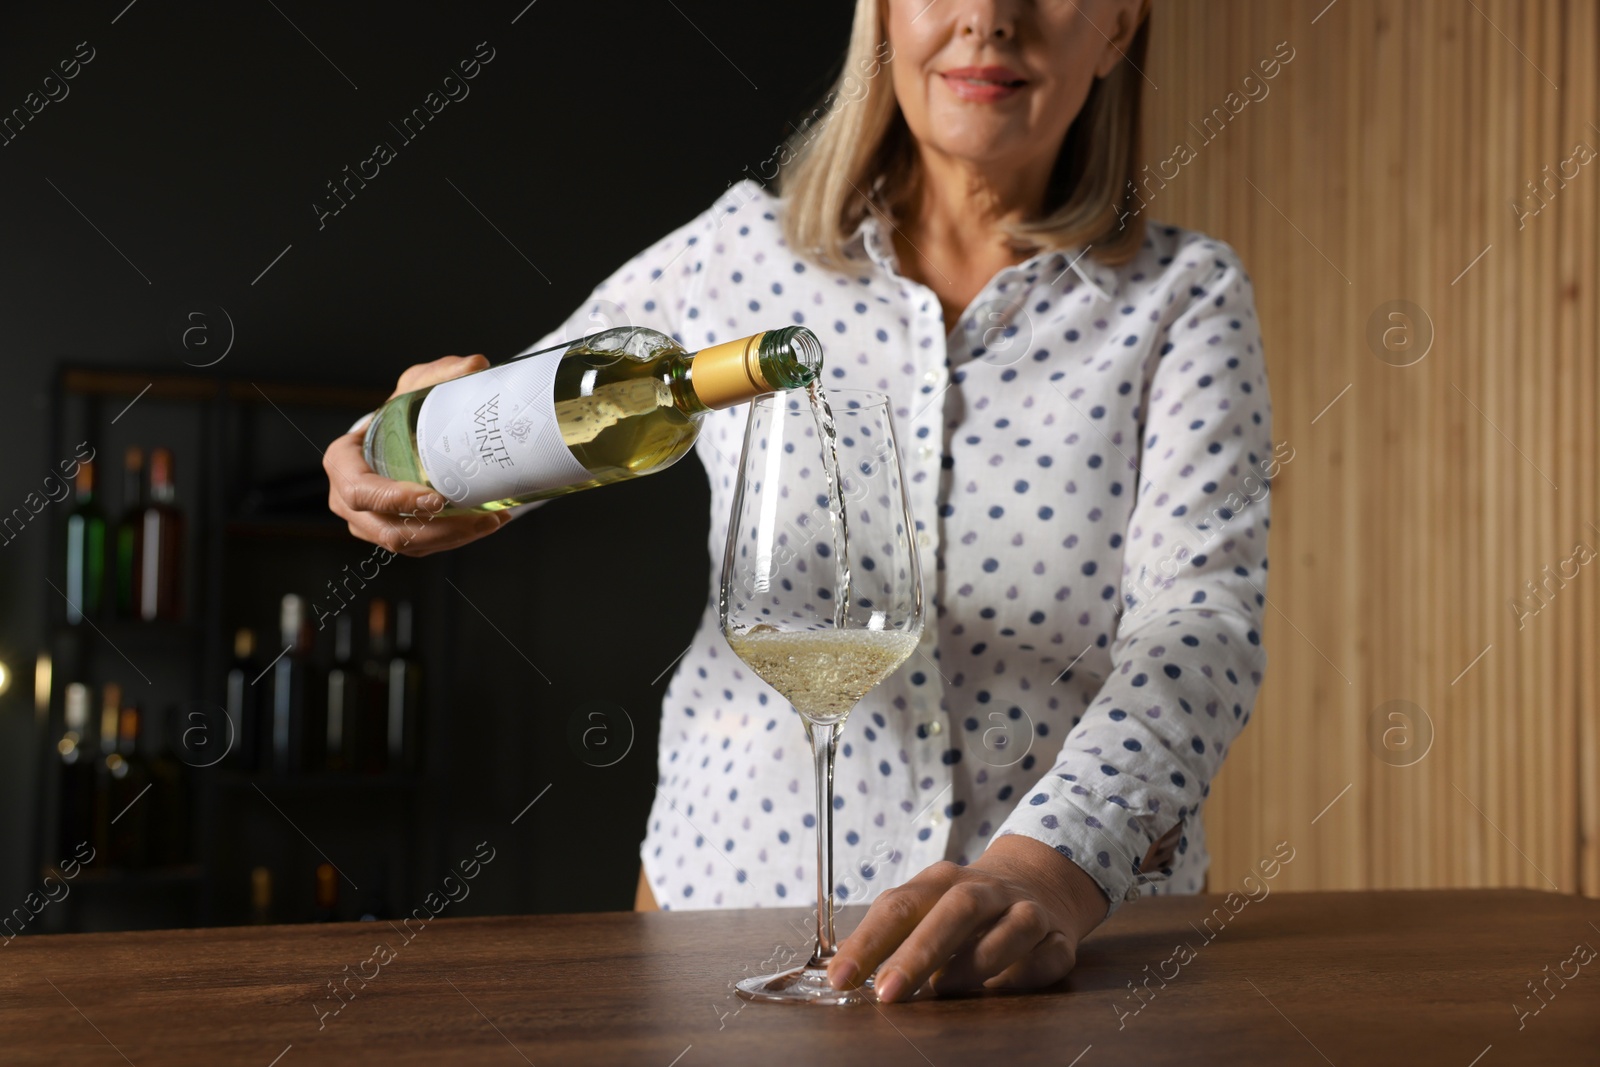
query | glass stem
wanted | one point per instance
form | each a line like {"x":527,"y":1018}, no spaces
{"x":824,"y":741}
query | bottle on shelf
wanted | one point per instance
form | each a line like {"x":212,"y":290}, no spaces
{"x":372,"y":736}
{"x":343,"y":686}
{"x":377,"y":899}
{"x":614,"y":405}
{"x":106,"y":767}
{"x":75,"y":788}
{"x":244,"y":704}
{"x":169,"y":818}
{"x":126,"y":807}
{"x":296,"y":732}
{"x":86,"y":549}
{"x":260,"y":896}
{"x":130,"y":529}
{"x":158,"y":592}
{"x":327,"y":898}
{"x":404,"y":727}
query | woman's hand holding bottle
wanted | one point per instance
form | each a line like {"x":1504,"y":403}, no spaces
{"x":402,"y":517}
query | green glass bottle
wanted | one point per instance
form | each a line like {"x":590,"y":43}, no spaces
{"x":611,"y":406}
{"x":86,"y":549}
{"x":130,"y":533}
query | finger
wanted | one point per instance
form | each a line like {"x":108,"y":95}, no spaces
{"x":353,"y":487}
{"x":1016,"y":934}
{"x":440,"y":370}
{"x":893,"y":915}
{"x":1050,"y":961}
{"x":421,"y":536}
{"x":967,"y":908}
{"x":1162,"y":850}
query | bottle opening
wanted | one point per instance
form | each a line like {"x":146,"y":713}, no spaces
{"x":791,"y":357}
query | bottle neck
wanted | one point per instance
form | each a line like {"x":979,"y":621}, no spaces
{"x":402,"y":629}
{"x":162,"y":490}
{"x":132,"y":478}
{"x":342,"y":639}
{"x":378,"y":630}
{"x":291,"y":624}
{"x":128,"y":732}
{"x":735,"y":372}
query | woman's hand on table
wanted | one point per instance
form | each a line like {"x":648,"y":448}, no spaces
{"x":1011,"y":920}
{"x":386,"y":512}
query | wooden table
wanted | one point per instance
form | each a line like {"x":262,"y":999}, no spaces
{"x":1343,"y":978}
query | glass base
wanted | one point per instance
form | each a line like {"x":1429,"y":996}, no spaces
{"x":803,"y":985}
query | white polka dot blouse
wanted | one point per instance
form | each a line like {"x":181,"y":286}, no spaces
{"x":1089,"y":453}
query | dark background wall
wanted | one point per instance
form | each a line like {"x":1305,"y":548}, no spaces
{"x":188,"y":155}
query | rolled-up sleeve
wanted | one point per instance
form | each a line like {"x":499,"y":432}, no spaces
{"x":1186,"y":652}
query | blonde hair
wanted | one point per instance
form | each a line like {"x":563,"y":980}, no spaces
{"x":856,"y":145}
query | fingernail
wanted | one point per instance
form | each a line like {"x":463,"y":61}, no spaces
{"x":431,"y":502}
{"x":842,"y":974}
{"x":889,"y":986}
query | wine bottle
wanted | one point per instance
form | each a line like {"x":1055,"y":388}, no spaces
{"x":129,"y":806}
{"x":106,"y":766}
{"x":296,"y":740}
{"x":343,"y":685}
{"x":377,"y":901}
{"x":244,"y":704}
{"x":260,"y":896}
{"x":86,"y":549}
{"x":75,"y":789}
{"x":614,"y":405}
{"x":130,"y":529}
{"x":169,"y":797}
{"x":405,"y":692}
{"x":327,"y":897}
{"x":159,"y":589}
{"x":372,"y":736}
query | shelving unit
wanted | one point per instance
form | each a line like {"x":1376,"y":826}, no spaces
{"x":248,"y":459}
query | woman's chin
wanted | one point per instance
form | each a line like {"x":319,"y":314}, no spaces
{"x":987,"y":146}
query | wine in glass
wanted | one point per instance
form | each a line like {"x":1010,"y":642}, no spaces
{"x":821,"y":595}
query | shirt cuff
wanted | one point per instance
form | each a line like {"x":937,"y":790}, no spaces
{"x":1099,"y":835}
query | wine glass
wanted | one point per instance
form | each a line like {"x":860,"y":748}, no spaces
{"x":821,"y":595}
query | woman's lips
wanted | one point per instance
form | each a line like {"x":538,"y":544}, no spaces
{"x":983,"y":84}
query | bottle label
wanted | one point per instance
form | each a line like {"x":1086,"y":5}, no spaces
{"x":494,"y":435}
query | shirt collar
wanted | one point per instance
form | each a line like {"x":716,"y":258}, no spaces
{"x":1096,"y":275}
{"x":870,"y":237}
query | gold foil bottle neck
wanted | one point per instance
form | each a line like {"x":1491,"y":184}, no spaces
{"x":729,"y":373}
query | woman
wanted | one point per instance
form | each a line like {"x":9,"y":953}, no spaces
{"x":1081,"y":399}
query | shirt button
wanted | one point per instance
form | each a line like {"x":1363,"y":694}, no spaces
{"x":936,"y":819}
{"x":924,"y":539}
{"x":935,"y":727}
{"x":925,"y":452}
{"x":930,"y":376}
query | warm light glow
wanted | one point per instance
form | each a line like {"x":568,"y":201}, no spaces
{"x":41,"y":683}
{"x":5,"y":678}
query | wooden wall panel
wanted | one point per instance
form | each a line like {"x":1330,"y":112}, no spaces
{"x":1385,"y":163}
